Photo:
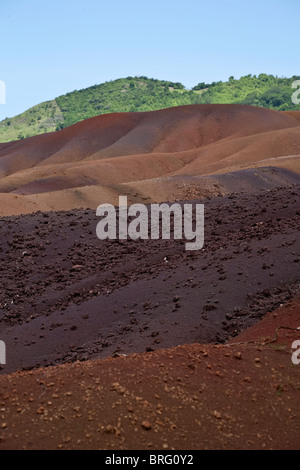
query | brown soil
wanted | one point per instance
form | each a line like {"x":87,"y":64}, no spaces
{"x":66,"y":295}
{"x":85,"y":164}
{"x":142,"y":344}
{"x":235,"y":396}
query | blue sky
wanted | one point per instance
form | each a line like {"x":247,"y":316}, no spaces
{"x":51,"y":47}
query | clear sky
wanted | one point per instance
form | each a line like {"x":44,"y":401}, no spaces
{"x":51,"y":47}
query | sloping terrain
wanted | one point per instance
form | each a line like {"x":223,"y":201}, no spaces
{"x":134,"y":94}
{"x":90,"y":162}
{"x":243,"y":395}
{"x":140,"y":344}
{"x":67,"y":295}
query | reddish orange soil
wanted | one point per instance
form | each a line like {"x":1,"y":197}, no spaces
{"x":85,"y":164}
{"x":243,"y":395}
{"x":294,"y":114}
{"x":141,"y":344}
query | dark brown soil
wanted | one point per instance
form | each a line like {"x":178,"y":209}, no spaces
{"x":67,"y":296}
{"x":142,"y":344}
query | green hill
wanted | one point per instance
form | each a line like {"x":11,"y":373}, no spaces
{"x":146,"y":94}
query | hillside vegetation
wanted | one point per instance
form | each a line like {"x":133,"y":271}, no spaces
{"x":146,"y":94}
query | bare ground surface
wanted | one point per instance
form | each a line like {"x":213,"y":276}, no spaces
{"x":149,"y":155}
{"x":142,"y":344}
{"x":66,"y":295}
{"x":234,"y":396}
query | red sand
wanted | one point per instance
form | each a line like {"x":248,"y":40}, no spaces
{"x":237,"y":396}
{"x":65,"y":296}
{"x":135,"y":147}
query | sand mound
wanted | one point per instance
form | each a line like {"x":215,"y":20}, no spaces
{"x":154,"y":190}
{"x":130,"y":148}
{"x":294,"y":114}
{"x":90,"y":324}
